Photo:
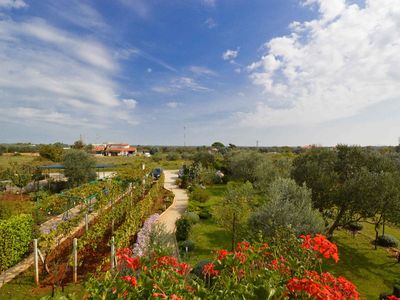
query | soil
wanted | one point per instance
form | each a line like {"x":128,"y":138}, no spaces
{"x":90,"y":260}
{"x":14,"y":197}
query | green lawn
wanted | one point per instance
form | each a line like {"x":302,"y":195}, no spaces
{"x":23,"y":288}
{"x":207,"y":234}
{"x":373,"y":271}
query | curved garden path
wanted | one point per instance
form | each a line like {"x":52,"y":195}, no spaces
{"x":178,"y":207}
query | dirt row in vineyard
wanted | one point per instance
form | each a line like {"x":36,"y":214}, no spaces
{"x":89,"y":260}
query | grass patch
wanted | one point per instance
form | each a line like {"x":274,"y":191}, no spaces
{"x":373,"y":271}
{"x":5,"y":160}
{"x":23,"y":287}
{"x":208,"y":235}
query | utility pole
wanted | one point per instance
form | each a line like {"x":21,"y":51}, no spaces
{"x":257,"y":144}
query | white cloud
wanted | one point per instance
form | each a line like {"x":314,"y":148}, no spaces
{"x":173,"y":104}
{"x":48,"y":75}
{"x":180,"y":84}
{"x":78,"y":13}
{"x":210,"y":23}
{"x":130,"y":103}
{"x":230,"y":54}
{"x":199,"y":70}
{"x":332,"y":67}
{"x":12,"y":4}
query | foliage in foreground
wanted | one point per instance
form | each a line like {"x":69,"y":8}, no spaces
{"x":282,"y":270}
{"x":16,"y":233}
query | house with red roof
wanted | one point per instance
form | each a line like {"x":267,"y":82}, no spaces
{"x":114,"y":149}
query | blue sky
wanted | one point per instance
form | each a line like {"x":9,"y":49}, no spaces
{"x":283,"y":72}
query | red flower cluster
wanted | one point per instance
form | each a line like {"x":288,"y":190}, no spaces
{"x":209,"y":270}
{"x":243,"y":246}
{"x":240,"y":256}
{"x":323,"y":287}
{"x":125,"y":255}
{"x":392,"y":297}
{"x":180,"y":268}
{"x":167,"y":260}
{"x":321,"y":244}
{"x":280,"y":266}
{"x":131,"y":280}
{"x":222,"y":254}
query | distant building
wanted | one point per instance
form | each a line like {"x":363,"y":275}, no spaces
{"x":114,"y":149}
{"x":119,"y":150}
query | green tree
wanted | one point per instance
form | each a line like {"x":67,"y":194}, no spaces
{"x":52,"y":152}
{"x":289,"y":206}
{"x":218,"y":145}
{"x":341,"y":181}
{"x":234,"y":209}
{"x":79,"y":145}
{"x":204,"y":158}
{"x":20,"y":175}
{"x":242,"y":165}
{"x":79,"y":167}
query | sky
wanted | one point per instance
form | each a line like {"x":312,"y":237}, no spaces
{"x":175,"y":72}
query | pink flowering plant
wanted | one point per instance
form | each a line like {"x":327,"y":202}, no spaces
{"x":285,"y":270}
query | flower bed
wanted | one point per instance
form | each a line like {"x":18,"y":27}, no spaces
{"x":288,"y":269}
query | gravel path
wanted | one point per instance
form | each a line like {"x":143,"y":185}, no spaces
{"x":178,"y":207}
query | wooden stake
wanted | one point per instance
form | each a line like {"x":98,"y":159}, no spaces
{"x":112,"y":253}
{"x":75,"y":254}
{"x":86,"y":222}
{"x":36,"y":261}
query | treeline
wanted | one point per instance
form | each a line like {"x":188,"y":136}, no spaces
{"x":318,"y":190}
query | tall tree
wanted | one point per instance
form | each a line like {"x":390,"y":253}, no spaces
{"x":234,"y":209}
{"x":79,"y":167}
{"x":20,"y":175}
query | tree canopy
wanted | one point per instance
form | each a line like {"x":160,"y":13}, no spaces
{"x":79,"y":167}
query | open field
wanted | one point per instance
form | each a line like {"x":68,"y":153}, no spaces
{"x":5,"y":160}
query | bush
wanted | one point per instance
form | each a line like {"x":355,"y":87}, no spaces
{"x":16,"y":234}
{"x":354,"y":226}
{"x":183,"y":227}
{"x":192,"y":217}
{"x":199,"y":194}
{"x":205,"y":214}
{"x":198,"y":269}
{"x":188,"y":243}
{"x":387,"y":241}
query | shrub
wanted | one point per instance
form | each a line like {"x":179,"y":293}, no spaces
{"x":198,"y":269}
{"x":183,"y":227}
{"x":199,"y":194}
{"x":205,"y":214}
{"x":387,"y":241}
{"x":16,"y":234}
{"x":188,"y":243}
{"x":192,"y":217}
{"x":354,"y":226}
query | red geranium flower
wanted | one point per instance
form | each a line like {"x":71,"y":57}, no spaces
{"x":222,"y":254}
{"x":321,"y":244}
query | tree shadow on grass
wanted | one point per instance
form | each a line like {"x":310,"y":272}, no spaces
{"x":365,"y":264}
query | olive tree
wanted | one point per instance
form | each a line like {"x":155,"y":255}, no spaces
{"x":289,"y":206}
{"x":79,"y":167}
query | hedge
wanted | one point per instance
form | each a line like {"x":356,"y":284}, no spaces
{"x":16,"y":234}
